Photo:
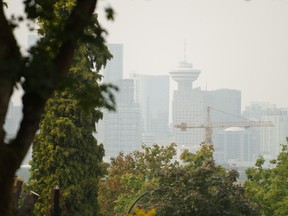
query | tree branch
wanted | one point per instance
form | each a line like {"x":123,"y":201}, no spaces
{"x":75,"y":27}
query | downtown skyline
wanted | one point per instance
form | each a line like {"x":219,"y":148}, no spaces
{"x":236,"y":44}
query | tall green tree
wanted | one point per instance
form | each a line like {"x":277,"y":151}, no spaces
{"x":40,"y":73}
{"x":268,"y":186}
{"x":65,"y":153}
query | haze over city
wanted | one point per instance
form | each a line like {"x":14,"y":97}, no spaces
{"x":235,"y":43}
{"x":199,"y":125}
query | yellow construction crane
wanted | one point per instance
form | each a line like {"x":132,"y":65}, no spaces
{"x":208,"y":126}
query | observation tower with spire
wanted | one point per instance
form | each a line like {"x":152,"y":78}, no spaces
{"x":184,"y":75}
{"x":187,"y":105}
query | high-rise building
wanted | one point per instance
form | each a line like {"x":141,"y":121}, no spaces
{"x":269,"y":139}
{"x":152,"y":94}
{"x":190,"y":106}
{"x":225,"y":104}
{"x":113,"y":72}
{"x":120,"y":130}
{"x":229,"y":143}
{"x":187,"y":106}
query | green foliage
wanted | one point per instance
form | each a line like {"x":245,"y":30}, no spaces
{"x":53,"y":18}
{"x":65,"y":153}
{"x":202,"y":156}
{"x":200,"y":187}
{"x":268,"y":186}
{"x":129,"y":176}
{"x":193,"y":186}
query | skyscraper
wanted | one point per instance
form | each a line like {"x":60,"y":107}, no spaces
{"x":120,"y":130}
{"x":229,"y":143}
{"x":269,"y":138}
{"x":187,"y":106}
{"x":225,"y":104}
{"x":190,"y":106}
{"x":152,"y":94}
{"x":113,"y":72}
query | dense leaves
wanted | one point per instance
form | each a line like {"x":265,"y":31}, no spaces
{"x":128,"y":176}
{"x":65,"y":153}
{"x":198,"y":186}
{"x":193,"y":186}
{"x":267,"y":184}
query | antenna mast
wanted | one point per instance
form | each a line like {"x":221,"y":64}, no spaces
{"x":184,"y":49}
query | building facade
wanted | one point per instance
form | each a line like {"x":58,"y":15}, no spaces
{"x":187,"y":107}
{"x":269,"y":139}
{"x":113,"y":72}
{"x":190,"y":106}
{"x":152,"y":94}
{"x":119,"y":130}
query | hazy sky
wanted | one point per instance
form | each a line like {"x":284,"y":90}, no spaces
{"x":236,"y":44}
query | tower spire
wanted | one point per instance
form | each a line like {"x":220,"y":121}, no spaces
{"x":184,"y":49}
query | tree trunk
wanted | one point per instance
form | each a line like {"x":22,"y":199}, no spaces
{"x":8,"y":168}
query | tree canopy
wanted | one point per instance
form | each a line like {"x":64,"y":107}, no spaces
{"x":128,"y":176}
{"x":195,"y":185}
{"x":267,"y":184}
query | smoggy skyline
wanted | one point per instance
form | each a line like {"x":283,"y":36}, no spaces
{"x":236,"y":44}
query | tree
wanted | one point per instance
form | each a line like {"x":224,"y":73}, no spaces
{"x":40,"y":74}
{"x":198,"y":186}
{"x":130,"y":175}
{"x":195,"y":185}
{"x":268,"y":186}
{"x":65,"y":153}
